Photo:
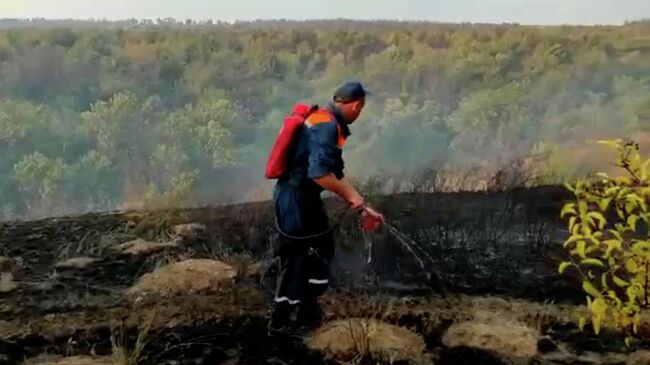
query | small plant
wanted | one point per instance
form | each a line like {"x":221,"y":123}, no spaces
{"x":609,"y":244}
{"x":178,"y":192}
{"x":542,"y":315}
{"x":122,"y":354}
{"x":363,"y":328}
{"x":240,"y":261}
{"x":93,"y":243}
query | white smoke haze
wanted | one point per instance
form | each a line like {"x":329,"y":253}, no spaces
{"x":99,"y":116}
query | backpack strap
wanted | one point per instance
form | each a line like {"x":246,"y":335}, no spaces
{"x":304,"y":110}
{"x":342,"y":139}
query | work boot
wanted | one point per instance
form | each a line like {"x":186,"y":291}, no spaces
{"x":309,"y":316}
{"x":280,"y":321}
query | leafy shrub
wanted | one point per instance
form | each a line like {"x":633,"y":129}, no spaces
{"x":609,"y":244}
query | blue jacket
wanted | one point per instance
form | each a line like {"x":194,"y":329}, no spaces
{"x":318,"y":152}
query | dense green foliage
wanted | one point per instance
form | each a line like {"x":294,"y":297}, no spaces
{"x":93,"y":118}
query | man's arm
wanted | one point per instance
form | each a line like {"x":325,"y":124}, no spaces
{"x":325,"y":163}
{"x":342,"y":188}
{"x":325,"y":168}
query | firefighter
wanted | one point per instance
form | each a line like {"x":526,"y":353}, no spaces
{"x":306,"y":245}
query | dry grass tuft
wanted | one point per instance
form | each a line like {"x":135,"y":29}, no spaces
{"x":74,"y":360}
{"x":142,"y":247}
{"x":508,"y":339}
{"x":123,"y":354}
{"x":358,"y":338}
{"x":255,"y":270}
{"x":241,"y":262}
{"x":185,"y":277}
{"x":533,"y":314}
{"x":7,"y":282}
{"x":639,"y":358}
{"x":508,"y":328}
{"x":78,"y":263}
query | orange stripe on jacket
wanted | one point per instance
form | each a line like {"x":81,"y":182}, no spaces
{"x":319,"y":117}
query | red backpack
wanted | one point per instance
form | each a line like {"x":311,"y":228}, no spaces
{"x":278,"y":163}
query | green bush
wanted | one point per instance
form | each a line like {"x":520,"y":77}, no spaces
{"x":609,"y":244}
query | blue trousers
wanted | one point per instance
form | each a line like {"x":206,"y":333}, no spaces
{"x":304,"y":262}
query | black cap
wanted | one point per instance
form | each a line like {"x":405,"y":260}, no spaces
{"x":350,"y":91}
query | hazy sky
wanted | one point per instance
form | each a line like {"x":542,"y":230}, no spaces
{"x":522,"y":11}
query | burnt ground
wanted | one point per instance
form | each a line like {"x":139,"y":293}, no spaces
{"x":496,"y":253}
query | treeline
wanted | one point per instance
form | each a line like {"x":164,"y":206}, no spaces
{"x":77,"y":24}
{"x":96,"y":119}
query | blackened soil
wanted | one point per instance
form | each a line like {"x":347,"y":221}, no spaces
{"x":241,"y":340}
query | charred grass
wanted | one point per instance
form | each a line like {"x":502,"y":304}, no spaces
{"x":85,"y":312}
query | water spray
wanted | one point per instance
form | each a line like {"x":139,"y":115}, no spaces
{"x":413,"y":247}
{"x":409,"y":244}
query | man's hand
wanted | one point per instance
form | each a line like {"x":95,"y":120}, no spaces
{"x":371,"y":219}
{"x":367,"y":211}
{"x":344,"y":188}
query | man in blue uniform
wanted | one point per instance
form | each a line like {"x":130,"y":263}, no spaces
{"x":306,"y":244}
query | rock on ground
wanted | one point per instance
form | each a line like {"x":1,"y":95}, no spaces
{"x":347,"y":339}
{"x":185,"y":277}
{"x":510,"y":340}
{"x":75,"y":263}
{"x":190,"y":230}
{"x":142,"y":247}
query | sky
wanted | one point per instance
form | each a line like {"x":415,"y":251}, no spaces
{"x":539,"y":12}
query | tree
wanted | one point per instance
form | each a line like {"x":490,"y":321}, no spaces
{"x":41,"y":180}
{"x":93,"y":183}
{"x":36,"y":73}
{"x":491,"y":123}
{"x":126,"y":131}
